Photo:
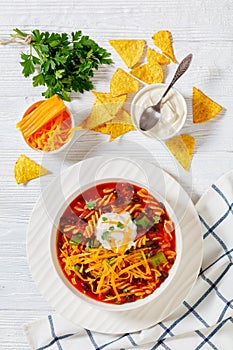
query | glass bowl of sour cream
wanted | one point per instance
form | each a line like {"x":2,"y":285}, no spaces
{"x":173,"y":110}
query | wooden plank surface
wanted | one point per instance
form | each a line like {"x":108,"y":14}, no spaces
{"x":203,"y":28}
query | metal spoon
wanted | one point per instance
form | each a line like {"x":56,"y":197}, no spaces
{"x":151,"y":115}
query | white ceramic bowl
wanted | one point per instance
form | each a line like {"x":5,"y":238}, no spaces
{"x":173,"y":110}
{"x":107,"y":306}
{"x":64,"y":146}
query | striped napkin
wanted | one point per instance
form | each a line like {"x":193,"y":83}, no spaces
{"x":203,"y":321}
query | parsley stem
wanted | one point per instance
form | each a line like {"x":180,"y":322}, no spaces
{"x":19,"y":34}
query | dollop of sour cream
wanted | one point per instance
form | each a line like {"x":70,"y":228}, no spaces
{"x":173,"y":110}
{"x":116,"y":232}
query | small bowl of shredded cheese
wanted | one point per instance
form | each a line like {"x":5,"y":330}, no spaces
{"x":47,"y":125}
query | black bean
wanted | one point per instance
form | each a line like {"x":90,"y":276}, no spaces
{"x":136,"y":199}
{"x":161,"y":205}
{"x":119,"y":200}
{"x":129,"y":298}
{"x":163,"y":276}
{"x":85,"y":287}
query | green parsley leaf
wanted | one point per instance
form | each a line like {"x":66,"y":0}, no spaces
{"x":111,"y":228}
{"x":66,"y":63}
{"x":90,"y":204}
{"x":104,"y":218}
{"x":38,"y":80}
{"x":27,"y":64}
{"x":125,"y":290}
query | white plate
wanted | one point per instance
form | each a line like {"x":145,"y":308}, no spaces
{"x":51,"y":205}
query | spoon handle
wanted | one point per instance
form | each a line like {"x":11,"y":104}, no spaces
{"x":183,"y":66}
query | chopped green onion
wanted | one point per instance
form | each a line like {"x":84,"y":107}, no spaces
{"x":158,"y":259}
{"x":104,"y":218}
{"x":105,"y":235}
{"x":120,"y":225}
{"x":94,"y":243}
{"x":77,"y":267}
{"x":111,"y":228}
{"x":90,"y":204}
{"x":110,"y":260}
{"x":88,"y":248}
{"x":144,"y":222}
{"x":91,"y":243}
{"x":156,"y":219}
{"x":125,"y":290}
{"x":76,"y":239}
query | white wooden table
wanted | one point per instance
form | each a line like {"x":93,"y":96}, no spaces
{"x":202,"y":27}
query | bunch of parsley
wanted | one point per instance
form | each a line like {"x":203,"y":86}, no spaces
{"x":64,"y":63}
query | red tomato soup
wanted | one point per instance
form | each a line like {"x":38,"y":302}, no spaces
{"x":116,"y":243}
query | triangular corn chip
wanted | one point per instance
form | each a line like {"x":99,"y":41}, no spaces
{"x":104,"y":109}
{"x":130,"y":51}
{"x":153,"y":57}
{"x":203,"y":107}
{"x":163,"y":40}
{"x":123,"y":117}
{"x":122,"y":83}
{"x":26,"y":169}
{"x":112,"y":103}
{"x":150,"y":73}
{"x":182,"y":148}
{"x":99,"y":114}
{"x":118,"y":126}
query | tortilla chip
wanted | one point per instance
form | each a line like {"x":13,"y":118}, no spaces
{"x":112,"y":103}
{"x":204,"y":108}
{"x":153,"y":56}
{"x":104,"y":109}
{"x":163,"y":40}
{"x":130,"y":51}
{"x":122,"y":83}
{"x":182,"y":148}
{"x":150,"y":73}
{"x":118,"y":126}
{"x":26,"y":169}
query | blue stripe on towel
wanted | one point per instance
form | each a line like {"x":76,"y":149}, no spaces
{"x":55,"y":338}
{"x":223,"y":197}
{"x":207,"y":339}
{"x":100,"y":347}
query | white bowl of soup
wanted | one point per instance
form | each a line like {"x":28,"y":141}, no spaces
{"x":116,"y":245}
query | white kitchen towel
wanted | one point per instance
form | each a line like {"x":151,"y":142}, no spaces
{"x":203,"y":321}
